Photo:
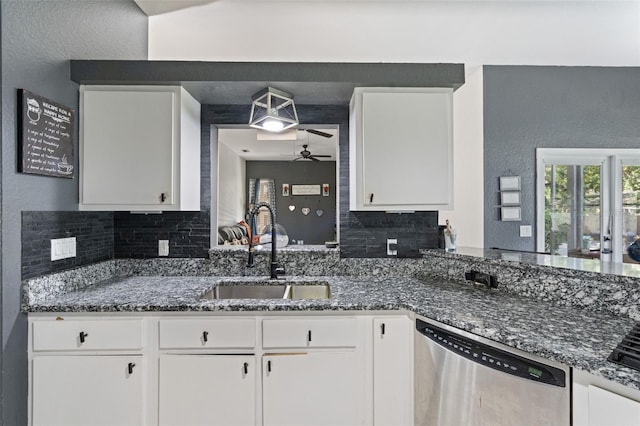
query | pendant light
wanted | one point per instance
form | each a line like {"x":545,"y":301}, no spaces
{"x":273,"y":110}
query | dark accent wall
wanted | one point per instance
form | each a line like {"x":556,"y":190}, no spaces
{"x":529,"y":107}
{"x":312,"y":229}
{"x":38,"y":39}
{"x":93,"y":232}
{"x":137,"y":235}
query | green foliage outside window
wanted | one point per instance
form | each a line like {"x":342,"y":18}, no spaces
{"x":557,"y":230}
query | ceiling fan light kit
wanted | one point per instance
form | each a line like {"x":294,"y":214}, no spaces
{"x":305,"y":154}
{"x":273,"y":110}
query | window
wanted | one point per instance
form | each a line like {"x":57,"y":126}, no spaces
{"x":588,"y":202}
{"x":264,"y":191}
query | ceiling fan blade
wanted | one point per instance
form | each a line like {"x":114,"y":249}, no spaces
{"x":321,"y":156}
{"x":312,"y":158}
{"x":319,"y":133}
{"x":299,"y":158}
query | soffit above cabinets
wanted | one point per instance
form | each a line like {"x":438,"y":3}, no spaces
{"x":312,"y":83}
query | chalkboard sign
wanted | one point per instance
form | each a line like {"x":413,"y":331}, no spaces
{"x":46,"y":136}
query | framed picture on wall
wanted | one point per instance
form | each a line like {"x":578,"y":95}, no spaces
{"x":509,"y":183}
{"x":510,"y":198}
{"x":510,"y":213}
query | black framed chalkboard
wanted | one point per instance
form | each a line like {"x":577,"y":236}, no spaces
{"x":45,"y":136}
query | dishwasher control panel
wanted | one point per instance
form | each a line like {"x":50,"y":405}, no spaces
{"x":492,"y":357}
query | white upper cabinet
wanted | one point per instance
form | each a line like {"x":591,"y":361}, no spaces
{"x":401,"y":149}
{"x":139,"y":148}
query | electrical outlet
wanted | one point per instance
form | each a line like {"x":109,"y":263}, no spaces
{"x":163,"y":247}
{"x":525,"y":230}
{"x":63,"y":248}
{"x":392,"y":246}
{"x":482,"y":278}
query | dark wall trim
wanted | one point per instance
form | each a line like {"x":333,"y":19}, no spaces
{"x":177,"y":72}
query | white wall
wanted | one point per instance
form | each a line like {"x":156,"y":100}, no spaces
{"x":467,"y":216}
{"x":499,"y":32}
{"x":231,"y":186}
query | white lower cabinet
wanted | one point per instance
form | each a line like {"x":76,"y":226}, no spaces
{"x":207,"y":390}
{"x":600,"y":402}
{"x":314,"y":388}
{"x":69,"y":390}
{"x":392,"y":371}
{"x":220,"y":369}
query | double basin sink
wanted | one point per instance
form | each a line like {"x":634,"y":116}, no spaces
{"x":269,"y":290}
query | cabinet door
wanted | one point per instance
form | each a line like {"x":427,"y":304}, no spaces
{"x":207,"y":333}
{"x":306,"y":332}
{"x":401,"y":149}
{"x":207,"y":390}
{"x":406,"y":148}
{"x":128,"y":147}
{"x":392,"y":372}
{"x":607,"y":408}
{"x":87,"y":390}
{"x":87,"y":335}
{"x":321,"y":388}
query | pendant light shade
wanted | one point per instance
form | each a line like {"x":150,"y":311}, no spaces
{"x":273,"y":110}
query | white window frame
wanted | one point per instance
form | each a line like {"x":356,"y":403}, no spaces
{"x":631,"y":157}
{"x":611,"y":162}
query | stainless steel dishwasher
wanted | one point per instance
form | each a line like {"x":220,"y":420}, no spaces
{"x":463,"y":379}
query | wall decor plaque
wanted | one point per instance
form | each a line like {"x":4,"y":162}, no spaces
{"x":45,"y":136}
{"x":509,"y":183}
{"x":510,"y":214}
{"x":305,"y":189}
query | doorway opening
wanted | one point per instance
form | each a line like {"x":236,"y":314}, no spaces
{"x":297,"y":173}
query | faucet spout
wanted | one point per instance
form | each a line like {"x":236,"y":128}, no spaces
{"x":275,"y":268}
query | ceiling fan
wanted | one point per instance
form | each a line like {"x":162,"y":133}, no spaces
{"x":305,"y":154}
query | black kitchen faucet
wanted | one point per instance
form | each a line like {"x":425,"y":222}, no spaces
{"x":275,"y":268}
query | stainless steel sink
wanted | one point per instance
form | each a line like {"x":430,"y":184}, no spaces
{"x":267,"y":290}
{"x":310,"y":291}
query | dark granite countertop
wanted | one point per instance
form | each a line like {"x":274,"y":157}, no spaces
{"x":574,"y":337}
{"x":553,"y":261}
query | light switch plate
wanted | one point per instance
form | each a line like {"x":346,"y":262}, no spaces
{"x":392,"y":246}
{"x":525,"y":230}
{"x":163,"y":247}
{"x":63,"y":248}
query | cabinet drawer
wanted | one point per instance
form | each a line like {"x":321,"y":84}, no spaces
{"x":309,"y":333}
{"x":207,"y":333}
{"x":87,"y":335}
